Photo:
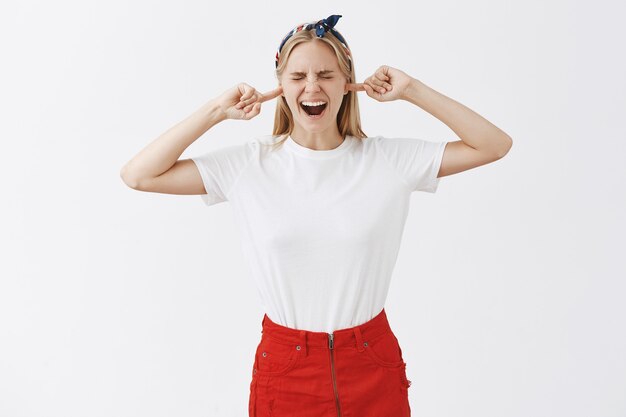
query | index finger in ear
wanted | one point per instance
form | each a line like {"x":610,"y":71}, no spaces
{"x":272,"y":94}
{"x":355,"y":87}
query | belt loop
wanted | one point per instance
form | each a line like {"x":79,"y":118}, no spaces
{"x":359,"y":339}
{"x":303,"y":343}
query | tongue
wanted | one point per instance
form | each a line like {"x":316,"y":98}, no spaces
{"x":315,"y":110}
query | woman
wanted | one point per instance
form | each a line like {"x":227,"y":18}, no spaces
{"x":321,"y":209}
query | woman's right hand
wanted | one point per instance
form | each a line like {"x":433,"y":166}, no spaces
{"x":243,"y":102}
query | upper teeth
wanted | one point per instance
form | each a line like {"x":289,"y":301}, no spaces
{"x":313,"y":103}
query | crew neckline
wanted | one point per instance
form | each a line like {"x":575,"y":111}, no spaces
{"x":318,"y":153}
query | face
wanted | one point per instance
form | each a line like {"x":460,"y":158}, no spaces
{"x":312,"y":74}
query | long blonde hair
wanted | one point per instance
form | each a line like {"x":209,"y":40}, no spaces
{"x":348,"y":117}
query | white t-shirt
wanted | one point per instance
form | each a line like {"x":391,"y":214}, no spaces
{"x":321,"y":229}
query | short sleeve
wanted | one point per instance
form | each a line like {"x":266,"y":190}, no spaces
{"x":220,"y":169}
{"x":417,"y":161}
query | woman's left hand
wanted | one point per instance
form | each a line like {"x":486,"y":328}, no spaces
{"x":386,"y":84}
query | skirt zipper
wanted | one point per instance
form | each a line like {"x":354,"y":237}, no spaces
{"x":332,"y":367}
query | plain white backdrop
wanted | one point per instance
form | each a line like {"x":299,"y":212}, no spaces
{"x":507,"y":297}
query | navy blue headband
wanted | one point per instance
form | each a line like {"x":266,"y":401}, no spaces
{"x":321,"y":27}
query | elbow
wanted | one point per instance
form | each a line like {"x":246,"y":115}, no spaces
{"x":129,"y":180}
{"x":506,"y":146}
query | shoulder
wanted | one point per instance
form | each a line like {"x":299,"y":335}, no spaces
{"x":387,"y":145}
{"x":401,"y":145}
{"x":394,"y":141}
{"x":264,"y":143}
{"x":246,"y":149}
{"x":266,"y":139}
{"x":233,"y":156}
{"x":384,"y":142}
{"x":368,"y":143}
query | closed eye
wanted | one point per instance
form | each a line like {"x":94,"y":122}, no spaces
{"x":299,"y":78}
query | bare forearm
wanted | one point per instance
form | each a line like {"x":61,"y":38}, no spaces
{"x":163,"y":152}
{"x":472,"y":128}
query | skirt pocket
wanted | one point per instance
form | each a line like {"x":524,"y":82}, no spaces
{"x":384,"y":350}
{"x":273,"y":357}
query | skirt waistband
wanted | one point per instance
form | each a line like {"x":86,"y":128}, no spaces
{"x":351,"y":336}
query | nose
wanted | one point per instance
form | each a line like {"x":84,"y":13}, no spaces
{"x":312,"y":85}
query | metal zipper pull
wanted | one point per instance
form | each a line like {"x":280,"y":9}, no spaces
{"x":330,"y":340}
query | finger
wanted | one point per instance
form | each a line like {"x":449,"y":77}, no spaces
{"x":271,"y":94}
{"x":249,"y":107}
{"x":370,"y":91}
{"x":355,"y":87}
{"x":242,"y":91}
{"x":382,"y":76}
{"x":374,"y":91}
{"x":385,"y":84}
{"x":250,"y":100}
{"x":247,"y":94}
{"x":243,"y":103}
{"x":376,"y":82}
{"x":242,"y":88}
{"x":254,"y":111}
{"x":376,"y":86}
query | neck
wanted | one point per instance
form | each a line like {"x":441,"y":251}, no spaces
{"x":319,"y":141}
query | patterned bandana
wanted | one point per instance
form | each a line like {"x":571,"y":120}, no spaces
{"x":321,"y":27}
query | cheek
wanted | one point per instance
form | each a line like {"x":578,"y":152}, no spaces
{"x":290,"y":94}
{"x":292,"y":98}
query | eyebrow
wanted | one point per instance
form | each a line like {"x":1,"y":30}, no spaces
{"x":319,"y":72}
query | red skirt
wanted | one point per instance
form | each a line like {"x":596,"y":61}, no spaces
{"x":353,"y":372}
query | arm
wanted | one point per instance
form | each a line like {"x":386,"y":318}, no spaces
{"x":481,"y":142}
{"x":162,"y":153}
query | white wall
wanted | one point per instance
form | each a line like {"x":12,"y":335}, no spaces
{"x":507,"y":295}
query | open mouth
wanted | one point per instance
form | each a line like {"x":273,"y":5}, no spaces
{"x":315,"y":111}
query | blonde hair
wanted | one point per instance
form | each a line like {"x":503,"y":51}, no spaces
{"x":348,"y":117}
